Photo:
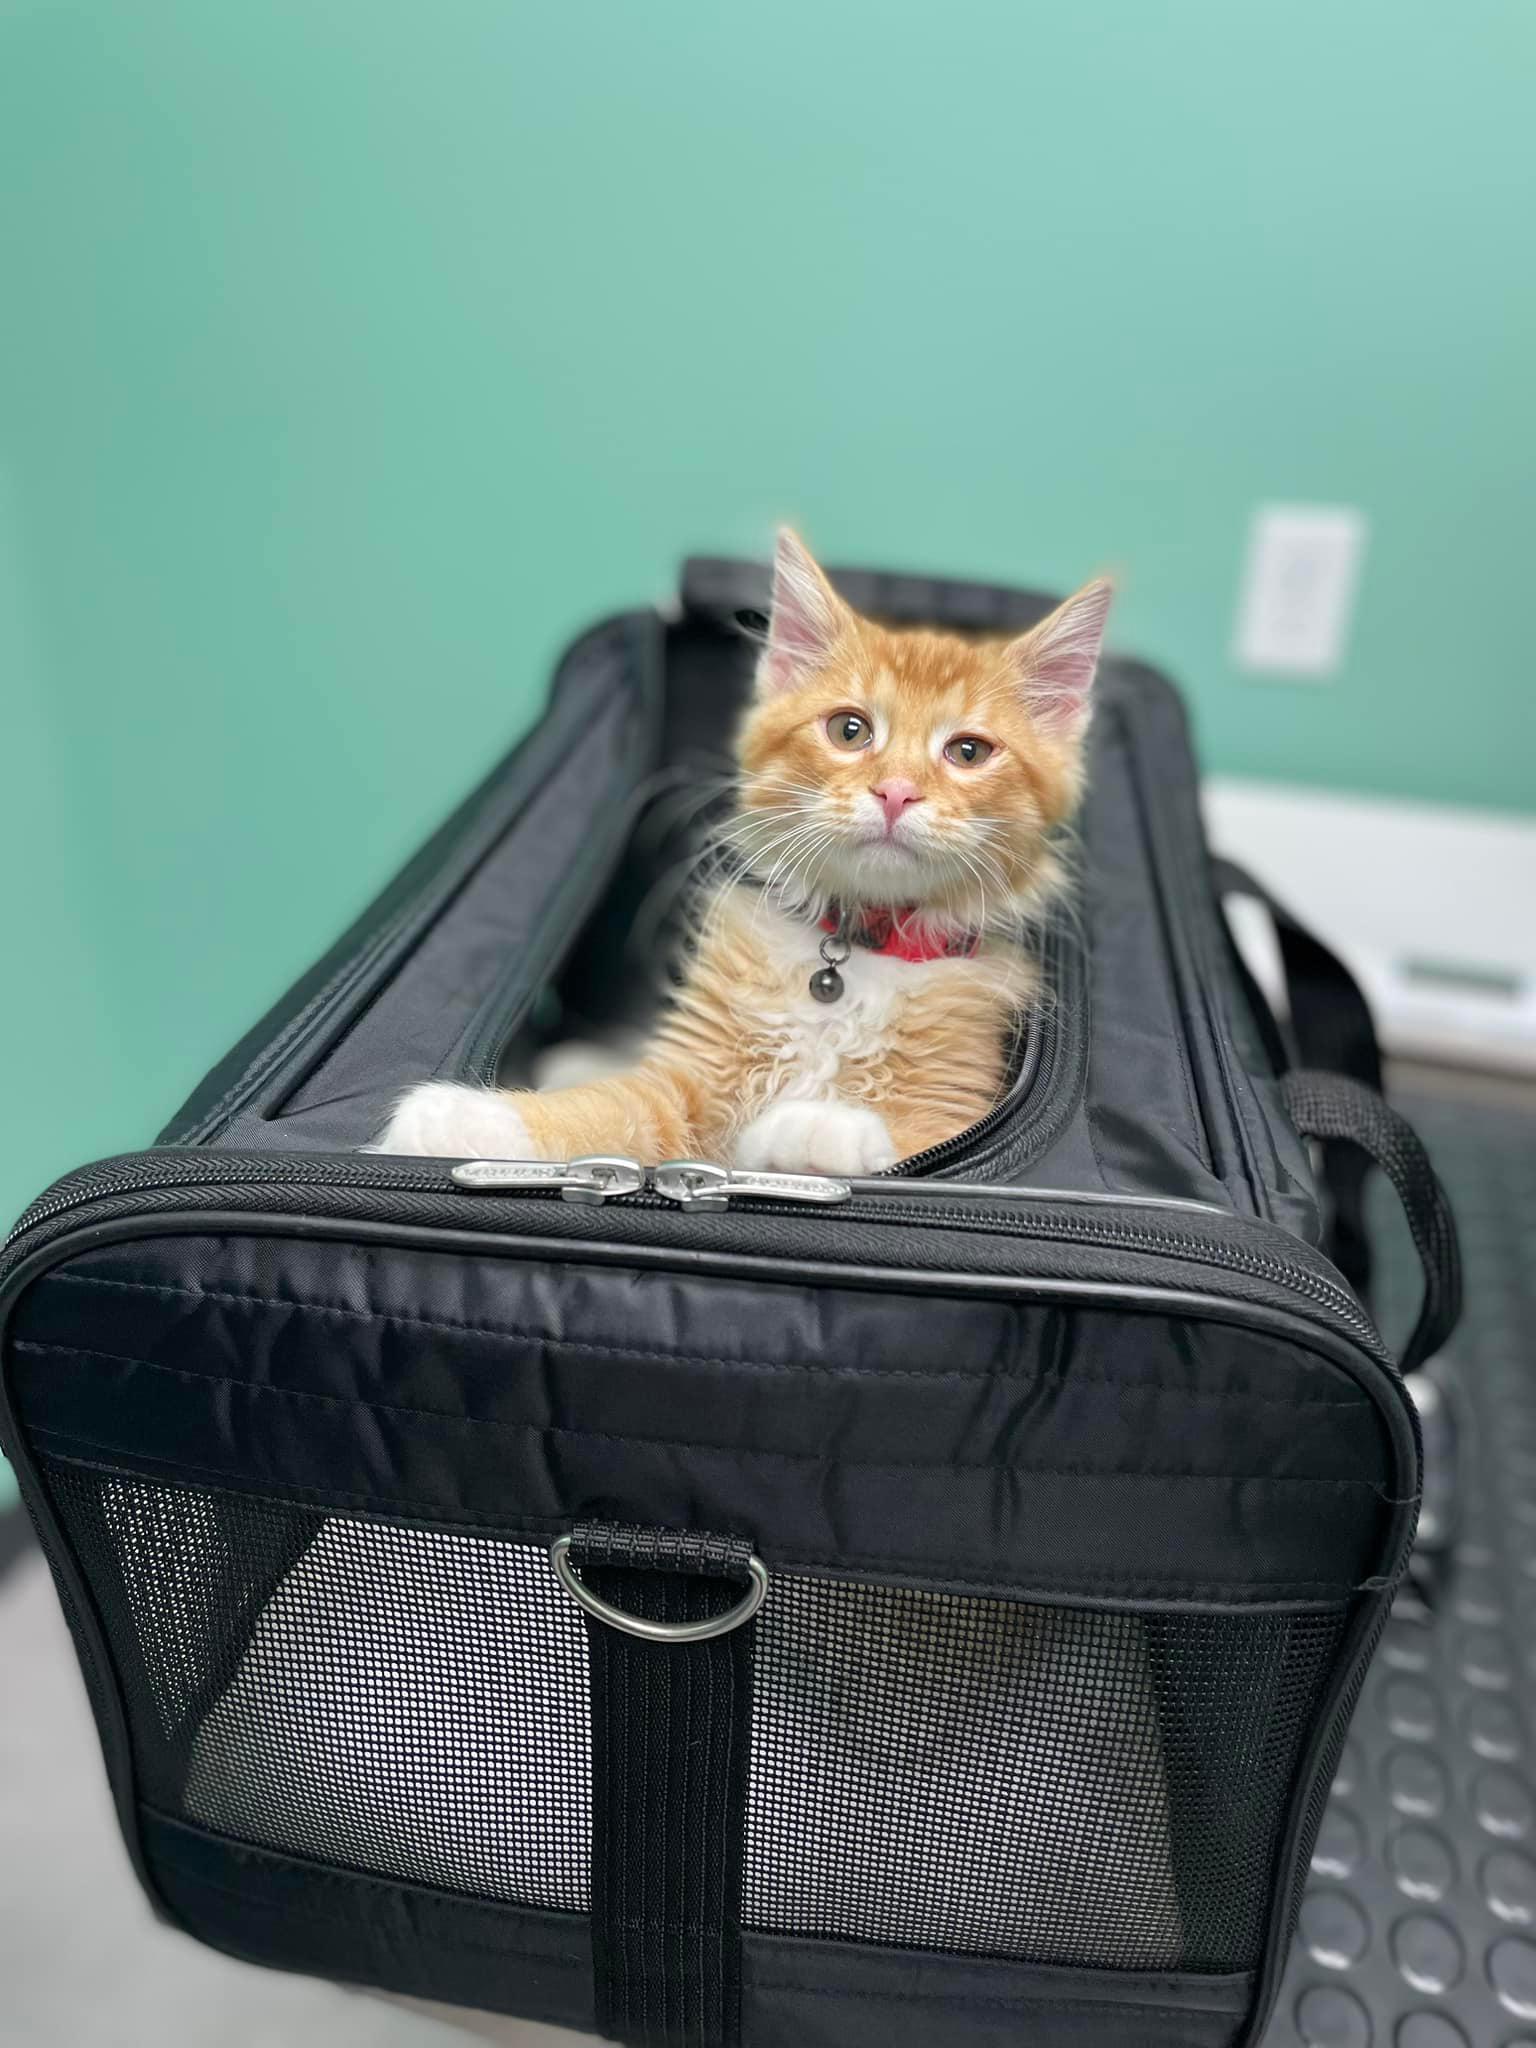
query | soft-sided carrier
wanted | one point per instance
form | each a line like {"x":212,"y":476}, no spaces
{"x":1077,"y":1474}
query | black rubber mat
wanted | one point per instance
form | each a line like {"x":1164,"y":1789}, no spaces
{"x":1419,"y":1925}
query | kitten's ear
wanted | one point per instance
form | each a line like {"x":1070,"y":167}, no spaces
{"x":806,"y":619}
{"x":1056,"y":660}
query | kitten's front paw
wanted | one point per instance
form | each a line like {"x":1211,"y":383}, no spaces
{"x":817,"y":1137}
{"x":445,"y":1120}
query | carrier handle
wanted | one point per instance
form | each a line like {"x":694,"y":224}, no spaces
{"x":1337,"y":1109}
{"x":736,"y":592}
{"x":1332,"y":1030}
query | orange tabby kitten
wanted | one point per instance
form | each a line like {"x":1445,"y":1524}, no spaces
{"x":851,"y":994}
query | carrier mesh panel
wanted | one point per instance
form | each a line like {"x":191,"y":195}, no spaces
{"x":1071,"y":1786}
{"x":1081,"y":1787}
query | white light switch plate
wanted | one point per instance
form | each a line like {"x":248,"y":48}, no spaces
{"x":1299,"y":588}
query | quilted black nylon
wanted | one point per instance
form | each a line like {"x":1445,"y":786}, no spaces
{"x":670,"y":1729}
{"x":1332,"y":1108}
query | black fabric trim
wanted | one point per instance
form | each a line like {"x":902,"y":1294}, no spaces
{"x":670,"y":1735}
{"x":796,"y":1992}
{"x":1314,"y":1778}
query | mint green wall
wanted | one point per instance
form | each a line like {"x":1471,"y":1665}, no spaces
{"x":352,"y":355}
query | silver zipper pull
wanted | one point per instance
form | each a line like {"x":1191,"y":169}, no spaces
{"x":693,"y":1184}
{"x":596,"y":1178}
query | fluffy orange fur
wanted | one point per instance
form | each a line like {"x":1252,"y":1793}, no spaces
{"x":719,"y":1060}
{"x":915,"y":771}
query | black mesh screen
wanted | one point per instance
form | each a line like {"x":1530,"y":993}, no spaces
{"x":1070,"y":1786}
{"x":396,"y":1700}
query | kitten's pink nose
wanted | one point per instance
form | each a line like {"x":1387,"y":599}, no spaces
{"x":894,"y":794}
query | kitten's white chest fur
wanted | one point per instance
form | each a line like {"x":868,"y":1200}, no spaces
{"x":798,"y":1123}
{"x":817,"y":1038}
{"x":804,"y":1126}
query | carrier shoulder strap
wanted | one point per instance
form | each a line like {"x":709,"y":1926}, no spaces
{"x":1331,"y":1020}
{"x":1333,"y":1095}
{"x":1333,"y":1032}
{"x":1338,"y":1110}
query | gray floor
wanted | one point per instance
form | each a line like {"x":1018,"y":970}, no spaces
{"x":1419,"y":1925}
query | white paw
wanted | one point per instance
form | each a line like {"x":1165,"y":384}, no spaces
{"x":816,"y":1137}
{"x":445,"y":1120}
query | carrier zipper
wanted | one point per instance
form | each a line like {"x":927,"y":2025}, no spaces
{"x":698,"y":1184}
{"x":1300,"y":1280}
{"x":1023,"y":1213}
{"x":596,"y":1178}
{"x":174,"y":1166}
{"x":695,"y":1184}
{"x":688,"y":1183}
{"x":1045,"y":1092}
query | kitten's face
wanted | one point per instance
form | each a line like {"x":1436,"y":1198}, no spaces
{"x":911,"y":768}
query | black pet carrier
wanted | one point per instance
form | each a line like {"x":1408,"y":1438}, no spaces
{"x":710,"y":1607}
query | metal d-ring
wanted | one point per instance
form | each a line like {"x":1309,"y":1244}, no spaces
{"x":659,"y":1631}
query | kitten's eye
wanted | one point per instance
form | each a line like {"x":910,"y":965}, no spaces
{"x":966,"y":751}
{"x":849,"y":731}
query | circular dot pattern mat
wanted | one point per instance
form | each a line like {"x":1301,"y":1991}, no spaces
{"x":1418,"y":1929}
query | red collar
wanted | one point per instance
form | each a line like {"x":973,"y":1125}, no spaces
{"x":896,"y":932}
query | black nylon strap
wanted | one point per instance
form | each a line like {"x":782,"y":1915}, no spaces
{"x":1336,"y":1109}
{"x":670,"y":1731}
{"x":1332,"y":1030}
